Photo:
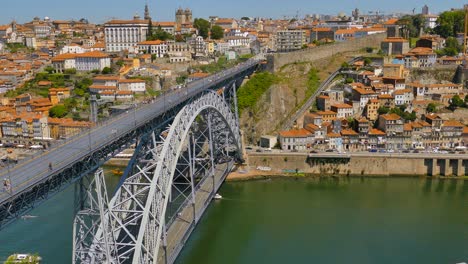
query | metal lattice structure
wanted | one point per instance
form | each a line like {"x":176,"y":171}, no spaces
{"x":174,"y":178}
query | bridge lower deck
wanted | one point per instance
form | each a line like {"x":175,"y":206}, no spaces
{"x":180,"y":230}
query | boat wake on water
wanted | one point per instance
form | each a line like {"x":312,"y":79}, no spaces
{"x":24,"y":217}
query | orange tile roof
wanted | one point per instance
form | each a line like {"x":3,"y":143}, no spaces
{"x":342,"y":106}
{"x":92,"y":54}
{"x":107,"y":78}
{"x":333,"y":135}
{"x":152,"y":42}
{"x":391,"y":117}
{"x":465,"y":130}
{"x":376,"y":132}
{"x":65,"y":56}
{"x":295,"y":133}
{"x":453,"y":123}
{"x":349,"y":132}
{"x":134,"y":21}
{"x":131,"y":81}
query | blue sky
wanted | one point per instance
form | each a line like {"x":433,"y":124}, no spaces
{"x":99,"y":11}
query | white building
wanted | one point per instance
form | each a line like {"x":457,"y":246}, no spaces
{"x":404,"y":96}
{"x":64,"y":62}
{"x":125,"y":34}
{"x":296,"y":139}
{"x":342,"y":110}
{"x":156,"y":47}
{"x":430,"y":21}
{"x":72,"y":48}
{"x":94,"y":60}
{"x":238,"y":41}
{"x":134,"y":85}
{"x":106,"y":80}
{"x":290,"y":40}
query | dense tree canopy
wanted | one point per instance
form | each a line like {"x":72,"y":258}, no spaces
{"x":450,"y":23}
{"x":412,"y":25}
{"x":217,"y":32}
{"x":203,"y":27}
{"x":58,"y":111}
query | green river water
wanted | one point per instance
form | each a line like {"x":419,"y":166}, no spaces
{"x":368,"y":220}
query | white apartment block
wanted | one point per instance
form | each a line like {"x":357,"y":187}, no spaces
{"x":156,"y":47}
{"x":290,"y":40}
{"x":125,"y":34}
{"x":90,"y":61}
{"x":134,"y":85}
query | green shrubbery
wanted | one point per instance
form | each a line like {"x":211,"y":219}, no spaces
{"x":249,"y":94}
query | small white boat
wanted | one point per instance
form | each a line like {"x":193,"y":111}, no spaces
{"x":28,"y":216}
{"x":218,"y":196}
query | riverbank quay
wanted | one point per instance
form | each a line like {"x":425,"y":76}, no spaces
{"x":356,"y":164}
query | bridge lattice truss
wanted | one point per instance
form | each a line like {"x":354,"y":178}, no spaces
{"x":172,"y":183}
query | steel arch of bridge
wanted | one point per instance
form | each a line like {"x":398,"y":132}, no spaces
{"x":133,"y":226}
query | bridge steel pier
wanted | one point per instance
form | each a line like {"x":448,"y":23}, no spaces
{"x":155,"y":209}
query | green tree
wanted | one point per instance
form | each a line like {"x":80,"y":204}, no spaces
{"x":160,"y":34}
{"x":245,"y":18}
{"x":431,"y":108}
{"x":203,"y":27}
{"x":58,"y":111}
{"x":383,"y":110}
{"x":70,"y":71}
{"x":411,"y":25}
{"x":367,"y":61}
{"x":452,"y":47}
{"x":120,"y":63}
{"x":70,"y":103}
{"x":217,"y":32}
{"x":106,"y":70}
{"x":456,"y":102}
{"x":450,"y":23}
{"x":49,"y":69}
{"x":149,"y":34}
{"x":466,"y":99}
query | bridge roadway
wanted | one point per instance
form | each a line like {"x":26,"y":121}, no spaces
{"x":29,"y":173}
{"x":182,"y":226}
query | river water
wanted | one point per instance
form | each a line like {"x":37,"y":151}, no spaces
{"x":369,"y":220}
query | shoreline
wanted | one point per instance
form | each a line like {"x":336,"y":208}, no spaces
{"x":254,"y":175}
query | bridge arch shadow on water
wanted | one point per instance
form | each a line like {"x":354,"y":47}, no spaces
{"x":173,"y":176}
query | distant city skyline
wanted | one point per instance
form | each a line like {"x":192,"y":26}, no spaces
{"x":103,"y":10}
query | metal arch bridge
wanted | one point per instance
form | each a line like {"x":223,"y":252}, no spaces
{"x":32,"y":181}
{"x":156,"y":208}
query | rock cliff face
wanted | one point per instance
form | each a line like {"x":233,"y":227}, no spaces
{"x":284,"y":97}
{"x":430,"y":76}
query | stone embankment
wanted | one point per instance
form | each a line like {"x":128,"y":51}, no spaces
{"x":357,"y":165}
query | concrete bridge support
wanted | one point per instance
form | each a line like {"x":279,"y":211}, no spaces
{"x":434,"y":168}
{"x":460,"y":168}
{"x":447,"y":171}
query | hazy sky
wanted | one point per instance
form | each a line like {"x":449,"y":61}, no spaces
{"x":99,"y":11}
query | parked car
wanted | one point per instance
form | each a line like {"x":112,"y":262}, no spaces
{"x":415,"y":151}
{"x":313,"y":151}
{"x":406,"y":151}
{"x":329,"y":150}
{"x":372,"y":150}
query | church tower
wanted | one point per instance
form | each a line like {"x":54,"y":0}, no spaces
{"x":147,"y":13}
